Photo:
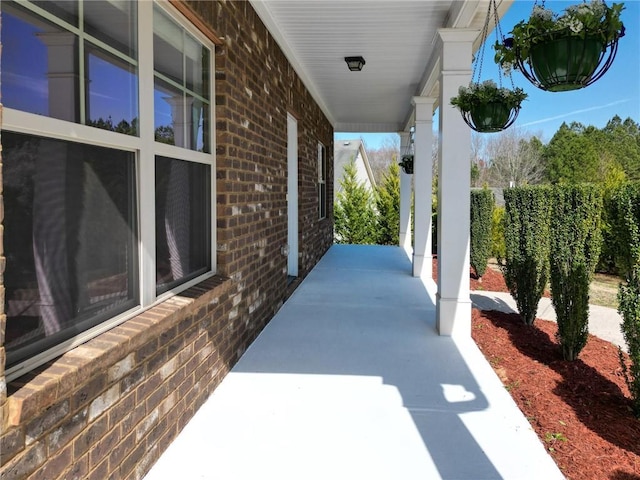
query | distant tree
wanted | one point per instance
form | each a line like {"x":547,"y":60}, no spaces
{"x":381,"y":158}
{"x":121,"y":127}
{"x":354,"y":214}
{"x":164,"y":134}
{"x":387,"y":200}
{"x":514,"y":159}
{"x":572,"y":156}
{"x":621,"y":141}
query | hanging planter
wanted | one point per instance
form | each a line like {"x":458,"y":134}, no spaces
{"x":488,"y":107}
{"x":407,"y":164}
{"x":563,"y":52}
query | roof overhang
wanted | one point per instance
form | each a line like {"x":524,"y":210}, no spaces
{"x":398,"y":40}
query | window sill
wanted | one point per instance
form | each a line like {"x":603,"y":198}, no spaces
{"x":106,"y":355}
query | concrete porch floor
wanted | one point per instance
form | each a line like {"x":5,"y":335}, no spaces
{"x":351,"y":381}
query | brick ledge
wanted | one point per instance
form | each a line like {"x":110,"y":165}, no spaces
{"x":46,"y":385}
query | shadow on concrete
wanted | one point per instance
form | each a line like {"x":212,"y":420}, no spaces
{"x":360,"y":313}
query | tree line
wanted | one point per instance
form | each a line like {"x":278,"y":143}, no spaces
{"x":575,"y":154}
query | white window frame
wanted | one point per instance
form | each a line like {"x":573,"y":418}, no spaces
{"x":322,"y":181}
{"x":146,"y":149}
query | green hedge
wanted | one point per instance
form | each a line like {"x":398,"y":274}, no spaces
{"x":481,"y":217}
{"x":497,"y":234}
{"x":626,"y":225}
{"x":526,"y":238}
{"x":575,"y":249}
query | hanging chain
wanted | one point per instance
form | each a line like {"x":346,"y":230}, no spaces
{"x":477,"y":63}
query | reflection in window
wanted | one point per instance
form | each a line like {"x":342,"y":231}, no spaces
{"x":32,"y":49}
{"x":182,"y":101}
{"x":70,"y":239}
{"x":41,"y":68}
{"x":183,"y":225}
{"x":112,"y":93}
{"x":113,"y":23}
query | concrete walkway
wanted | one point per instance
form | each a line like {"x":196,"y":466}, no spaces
{"x":351,"y":381}
{"x":603,"y":322}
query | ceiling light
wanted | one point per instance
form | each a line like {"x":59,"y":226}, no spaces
{"x":355,"y":64}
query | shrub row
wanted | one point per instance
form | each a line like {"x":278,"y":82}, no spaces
{"x":553,"y":233}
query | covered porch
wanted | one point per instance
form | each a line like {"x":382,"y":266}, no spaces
{"x":351,"y":380}
{"x":414,"y":57}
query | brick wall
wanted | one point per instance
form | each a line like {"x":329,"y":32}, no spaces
{"x":107,"y":409}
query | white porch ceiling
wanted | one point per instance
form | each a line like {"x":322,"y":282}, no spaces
{"x":397,"y":39}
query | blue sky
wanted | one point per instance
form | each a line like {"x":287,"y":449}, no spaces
{"x":617,"y":92}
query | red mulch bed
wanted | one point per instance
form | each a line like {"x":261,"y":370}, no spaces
{"x":580,"y":410}
{"x":491,"y":281}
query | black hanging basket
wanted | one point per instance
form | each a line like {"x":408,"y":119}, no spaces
{"x":567,"y":51}
{"x":488,"y":107}
{"x":407,"y":164}
{"x":560,"y":64}
{"x":490,"y":117}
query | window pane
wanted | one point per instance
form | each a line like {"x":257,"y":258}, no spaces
{"x":183,"y":221}
{"x":66,"y":10}
{"x":70,"y":239}
{"x":180,"y":119}
{"x":182,"y":85}
{"x":168,"y":47}
{"x":114,"y":23}
{"x":196,"y":67}
{"x":39,"y":65}
{"x":112,"y":92}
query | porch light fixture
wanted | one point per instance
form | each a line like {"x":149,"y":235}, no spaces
{"x":355,"y":64}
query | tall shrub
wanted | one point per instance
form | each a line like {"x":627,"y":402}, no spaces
{"x":575,"y":249}
{"x":354,"y":215}
{"x":526,"y":238}
{"x":497,"y":234}
{"x":627,"y":208}
{"x":388,"y":205}
{"x":481,"y":217}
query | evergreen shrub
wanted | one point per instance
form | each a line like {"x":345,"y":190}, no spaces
{"x":387,"y":201}
{"x":627,"y":208}
{"x":526,"y":238}
{"x":497,"y":234}
{"x":354,"y":212}
{"x":481,"y":217}
{"x":575,"y":249}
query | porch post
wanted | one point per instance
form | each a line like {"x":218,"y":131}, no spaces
{"x":405,"y":197}
{"x":453,"y":304}
{"x":422,"y":177}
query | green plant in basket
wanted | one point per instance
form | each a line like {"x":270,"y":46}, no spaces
{"x":594,"y":22}
{"x":477,"y":94}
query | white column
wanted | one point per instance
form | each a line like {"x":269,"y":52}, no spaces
{"x":62,"y":74}
{"x":405,"y":196}
{"x":422,"y":181}
{"x":453,"y":304}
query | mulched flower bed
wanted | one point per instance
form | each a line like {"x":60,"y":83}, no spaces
{"x":580,"y":410}
{"x":492,"y":280}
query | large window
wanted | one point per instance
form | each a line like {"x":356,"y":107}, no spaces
{"x":108,"y":188}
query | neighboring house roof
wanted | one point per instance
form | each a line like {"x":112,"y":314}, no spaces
{"x":344,"y":152}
